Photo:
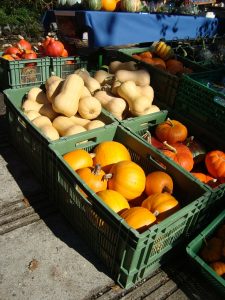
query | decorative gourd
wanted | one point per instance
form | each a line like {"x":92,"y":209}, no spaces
{"x":163,"y":50}
{"x":138,"y":104}
{"x":127,"y":178}
{"x":138,"y":218}
{"x":114,"y":200}
{"x":66,"y":102}
{"x":91,"y":83}
{"x":89,"y":108}
{"x":92,"y":4}
{"x":94,"y":177}
{"x":139,"y":77}
{"x":50,"y":132}
{"x":158,"y":182}
{"x":78,"y":159}
{"x":130,"y":5}
{"x":171,"y":131}
{"x":38,"y":95}
{"x":110,"y":152}
{"x":215,"y":163}
{"x":117,"y":65}
{"x":180,"y":154}
{"x":162,"y":205}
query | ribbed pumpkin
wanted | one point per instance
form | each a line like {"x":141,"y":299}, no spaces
{"x":114,"y":200}
{"x":127,"y":178}
{"x":171,"y":131}
{"x":92,"y":4}
{"x":138,"y":218}
{"x":130,"y":5}
{"x":158,"y":182}
{"x":215,"y":163}
{"x":78,"y":159}
{"x":161,"y":205}
{"x":110,"y":152}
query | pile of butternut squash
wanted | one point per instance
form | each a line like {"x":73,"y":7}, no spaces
{"x":73,"y":105}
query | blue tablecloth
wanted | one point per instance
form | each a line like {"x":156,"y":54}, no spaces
{"x":120,"y":28}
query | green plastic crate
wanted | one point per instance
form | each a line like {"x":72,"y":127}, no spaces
{"x":140,"y":125}
{"x":25,"y":72}
{"x":64,"y":66}
{"x":165,"y":85}
{"x":28,"y":139}
{"x":128,"y":255}
{"x":203,"y":104}
{"x":193,"y":248}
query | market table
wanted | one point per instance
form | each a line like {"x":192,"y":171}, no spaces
{"x":120,"y":28}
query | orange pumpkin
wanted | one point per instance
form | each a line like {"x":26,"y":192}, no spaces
{"x":114,"y":200}
{"x":138,"y":218}
{"x":180,"y":154}
{"x":78,"y":159}
{"x":127,"y":178}
{"x":174,"y":66}
{"x":109,"y":5}
{"x":171,"y":131}
{"x":162,"y":205}
{"x":215,"y":163}
{"x":203,"y":177}
{"x":159,"y":63}
{"x":146,"y":54}
{"x":94,"y":177}
{"x":158,"y":182}
{"x":110,"y":152}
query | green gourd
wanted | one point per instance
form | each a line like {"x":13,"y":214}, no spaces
{"x":92,"y":4}
{"x":130,"y":5}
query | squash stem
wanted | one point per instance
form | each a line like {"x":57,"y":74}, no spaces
{"x":169,"y":147}
{"x":96,"y":169}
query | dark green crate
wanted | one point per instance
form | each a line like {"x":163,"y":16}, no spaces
{"x":24,"y":72}
{"x":128,"y":255}
{"x":28,"y":139}
{"x":165,"y":85}
{"x":203,"y":104}
{"x":63,"y":66}
{"x":193,"y":248}
{"x":140,"y":125}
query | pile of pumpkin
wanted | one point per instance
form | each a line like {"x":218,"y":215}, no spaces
{"x":73,"y":105}
{"x":23,"y":49}
{"x":213,"y":251}
{"x":171,"y":137}
{"x":162,"y":57}
{"x":141,"y":199}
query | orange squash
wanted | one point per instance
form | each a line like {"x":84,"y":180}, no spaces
{"x":78,"y":159}
{"x":215,"y":163}
{"x":109,"y":5}
{"x":203,"y":177}
{"x":94,"y":177}
{"x":114,"y":200}
{"x":110,"y":152}
{"x":127,"y":178}
{"x":159,"y":63}
{"x":171,"y":131}
{"x":146,"y":54}
{"x":138,"y":218}
{"x":162,"y":205}
{"x":158,"y":182}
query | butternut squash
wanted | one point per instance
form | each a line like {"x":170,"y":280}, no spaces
{"x":118,"y":107}
{"x":103,"y":97}
{"x":66,"y":102}
{"x":53,"y":89}
{"x":152,"y":109}
{"x":103,"y":77}
{"x":38,"y":95}
{"x":146,"y":91}
{"x":89,"y":108}
{"x":41,"y":121}
{"x":114,"y":87}
{"x":50,"y":132}
{"x":51,"y":79}
{"x":91,"y":83}
{"x":31,"y":105}
{"x":32,"y":114}
{"x":138,"y":104}
{"x":140,"y":77}
{"x":61,"y":124}
{"x":116,"y":65}
{"x":94,"y":124}
{"x":74,"y":129}
{"x":79,"y":120}
{"x":85,"y":92}
{"x":47,"y":110}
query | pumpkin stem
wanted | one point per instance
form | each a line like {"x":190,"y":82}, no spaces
{"x":169,"y":147}
{"x":92,"y":154}
{"x":156,"y":213}
{"x":166,"y":190}
{"x":108,"y":176}
{"x":97,"y":169}
{"x":148,"y":137}
{"x":170,"y":122}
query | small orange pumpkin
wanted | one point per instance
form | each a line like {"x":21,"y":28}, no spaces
{"x":110,"y":152}
{"x":171,"y":131}
{"x":94,"y":177}
{"x":114,"y":200}
{"x":158,"y":182}
{"x":138,"y":218}
{"x":78,"y":159}
{"x":215,"y":163}
{"x":203,"y":177}
{"x":162,"y":205}
{"x":127,"y":178}
{"x":109,"y":5}
{"x":146,"y":54}
{"x":159,"y":63}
